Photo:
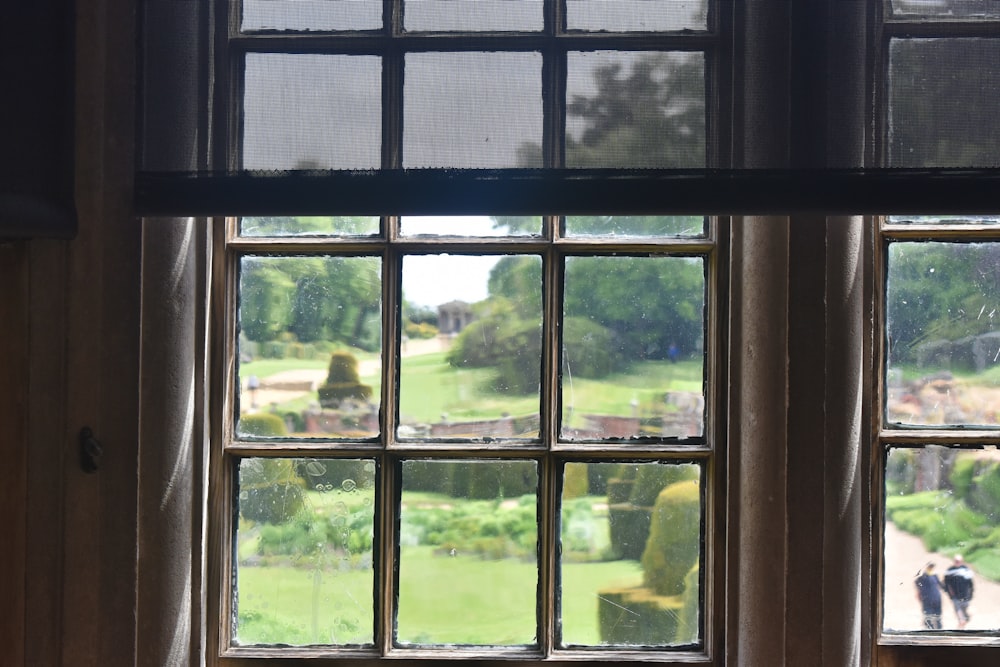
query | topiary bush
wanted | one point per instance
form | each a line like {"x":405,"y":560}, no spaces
{"x":688,"y":625}
{"x":343,"y":382}
{"x":651,"y":478}
{"x":262,"y":425}
{"x":591,"y":351}
{"x":574,"y":480}
{"x":270,"y":490}
{"x":674,"y":538}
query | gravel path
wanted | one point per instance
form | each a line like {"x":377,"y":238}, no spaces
{"x":905,"y":555}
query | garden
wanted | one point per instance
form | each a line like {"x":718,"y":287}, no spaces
{"x":467,"y":566}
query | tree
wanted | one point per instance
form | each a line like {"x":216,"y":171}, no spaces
{"x":649,"y":303}
{"x":940,"y":291}
{"x":313,"y":298}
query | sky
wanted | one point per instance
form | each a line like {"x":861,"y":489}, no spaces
{"x":430,"y":280}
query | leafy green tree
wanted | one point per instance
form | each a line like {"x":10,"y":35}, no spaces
{"x":266,"y":295}
{"x":313,"y":298}
{"x":651,"y":116}
{"x":649,"y":303}
{"x":940,"y":291}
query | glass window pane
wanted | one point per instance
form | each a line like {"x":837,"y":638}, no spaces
{"x":946,"y":9}
{"x":635,"y":225}
{"x":471,"y":225}
{"x":644,"y":15}
{"x":472,"y":110}
{"x":311,"y":15}
{"x":311,"y":111}
{"x":304,"y":541}
{"x":943,"y":329}
{"x":471,"y":352}
{"x":309,"y":347}
{"x":633,"y":347}
{"x":472,"y":15}
{"x":468,"y":564}
{"x":631,"y":539}
{"x":943,"y":107}
{"x":942,"y":509}
{"x":299,"y":225}
{"x":944,"y":219}
{"x":643,"y":109}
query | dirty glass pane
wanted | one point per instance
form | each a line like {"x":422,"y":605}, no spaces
{"x":472,"y":110}
{"x":633,"y":347}
{"x":640,"y":109}
{"x":636,"y":15}
{"x":942,"y":539}
{"x":311,"y":15}
{"x":944,"y":219}
{"x":946,"y":9}
{"x":470,"y":225}
{"x":471,"y":346}
{"x":304,"y":538}
{"x":943,"y":332}
{"x":312,"y":111}
{"x":943,"y":107}
{"x":468,"y":564}
{"x":440,"y":15}
{"x":630,"y":537}
{"x":309,"y":347}
{"x":300,"y":225}
{"x":635,"y":225}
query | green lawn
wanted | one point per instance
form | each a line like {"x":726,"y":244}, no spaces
{"x":431,"y":388}
{"x":443,"y":599}
{"x":265,"y":368}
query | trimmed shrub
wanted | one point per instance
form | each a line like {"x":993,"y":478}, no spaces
{"x":590,"y":349}
{"x":574,"y":480}
{"x":343,"y":382}
{"x":270,"y":491}
{"x":638,"y":617}
{"x":651,"y":478}
{"x":263,"y":425}
{"x":688,"y":624}
{"x":629,"y":529}
{"x":598,"y":476}
{"x":674,"y":538}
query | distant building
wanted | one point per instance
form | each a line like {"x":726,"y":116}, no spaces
{"x":454,"y":316}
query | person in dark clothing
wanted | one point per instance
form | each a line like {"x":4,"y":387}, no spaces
{"x":959,"y":586}
{"x":929,"y":595}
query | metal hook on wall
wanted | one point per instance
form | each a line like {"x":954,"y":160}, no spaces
{"x":90,"y":450}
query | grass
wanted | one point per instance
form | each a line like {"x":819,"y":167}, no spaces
{"x":265,"y":368}
{"x":430,"y":388}
{"x":443,"y":599}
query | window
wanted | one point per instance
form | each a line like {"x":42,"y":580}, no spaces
{"x":462,"y":427}
{"x":936,"y":451}
{"x":335,"y":217}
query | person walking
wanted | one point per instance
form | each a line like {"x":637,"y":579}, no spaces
{"x":959,"y":586}
{"x":929,"y":596}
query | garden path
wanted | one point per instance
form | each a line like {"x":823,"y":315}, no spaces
{"x":905,"y":556}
